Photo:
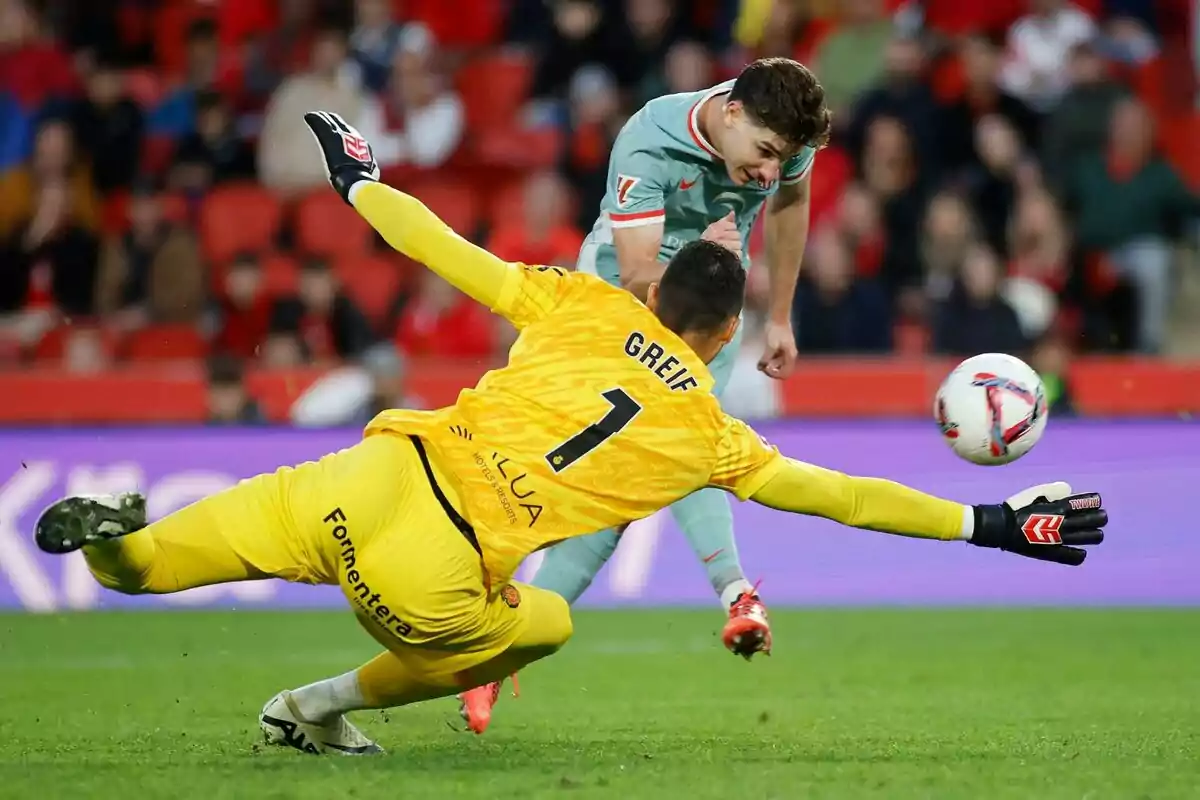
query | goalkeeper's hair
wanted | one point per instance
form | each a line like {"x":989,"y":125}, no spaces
{"x":702,"y":288}
{"x":785,"y":97}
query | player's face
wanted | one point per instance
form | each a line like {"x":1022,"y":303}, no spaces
{"x":752,"y":153}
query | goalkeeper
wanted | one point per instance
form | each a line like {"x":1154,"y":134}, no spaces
{"x":424,"y":522}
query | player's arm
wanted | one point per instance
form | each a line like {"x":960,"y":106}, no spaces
{"x":753,"y":470}
{"x":519,"y":293}
{"x":635,"y":203}
{"x":785,"y":233}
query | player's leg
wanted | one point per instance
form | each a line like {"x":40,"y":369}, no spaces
{"x":568,"y":568}
{"x":235,"y":535}
{"x":417,"y":584}
{"x":706,"y":519}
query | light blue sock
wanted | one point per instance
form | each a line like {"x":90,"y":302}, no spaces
{"x":569,"y":567}
{"x":707,"y":521}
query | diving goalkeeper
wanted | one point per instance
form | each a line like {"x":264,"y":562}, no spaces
{"x":603,"y":415}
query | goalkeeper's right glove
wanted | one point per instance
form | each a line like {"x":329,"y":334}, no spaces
{"x":1045,"y":522}
{"x":348,"y":156}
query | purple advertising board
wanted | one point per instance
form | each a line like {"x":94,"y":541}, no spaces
{"x":1146,"y":471}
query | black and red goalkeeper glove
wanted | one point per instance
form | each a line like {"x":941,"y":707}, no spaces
{"x":348,"y":156}
{"x":1045,"y":522}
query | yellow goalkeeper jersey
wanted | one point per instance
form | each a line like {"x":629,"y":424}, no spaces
{"x":601,"y":417}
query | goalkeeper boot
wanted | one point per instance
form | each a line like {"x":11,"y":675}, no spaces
{"x":475,"y":705}
{"x":748,"y":630}
{"x":74,"y":522}
{"x":282,"y":725}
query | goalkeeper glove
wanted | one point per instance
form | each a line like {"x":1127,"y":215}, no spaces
{"x":1045,"y":522}
{"x":348,"y":156}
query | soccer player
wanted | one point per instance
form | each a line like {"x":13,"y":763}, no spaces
{"x":703,"y":165}
{"x":424,"y":522}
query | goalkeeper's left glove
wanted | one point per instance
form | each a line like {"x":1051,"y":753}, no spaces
{"x":348,"y":156}
{"x":1045,"y":522}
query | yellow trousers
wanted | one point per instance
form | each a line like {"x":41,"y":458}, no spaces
{"x":366,"y":518}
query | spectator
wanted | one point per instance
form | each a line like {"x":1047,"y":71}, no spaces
{"x":948,"y":233}
{"x":686,"y":67}
{"x":228,"y":401}
{"x":328,"y":322}
{"x":975,"y":318}
{"x":1038,"y":47}
{"x":889,"y":170}
{"x":34,"y":68}
{"x":545,"y":235}
{"x":283,"y":348}
{"x":982,"y":97}
{"x":241,"y":313}
{"x":419,"y":121}
{"x":282,"y":51}
{"x":213,"y":153}
{"x":441,"y":321}
{"x":374,"y":43}
{"x":175,"y":116}
{"x":834,"y":312}
{"x":583,"y":34}
{"x":54,"y":160}
{"x":653,"y":26}
{"x":860,"y":224}
{"x":1128,"y":206}
{"x":595,"y":121}
{"x":902,"y":95}
{"x":285,"y":150}
{"x":16,"y":132}
{"x":851,"y":58}
{"x":153,"y":272}
{"x":50,"y":262}
{"x":1078,"y":127}
{"x":1039,"y":245}
{"x":1050,"y":359}
{"x":109,"y":128}
{"x":993,"y":184}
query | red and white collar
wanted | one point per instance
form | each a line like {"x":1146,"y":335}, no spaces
{"x":694,"y":119}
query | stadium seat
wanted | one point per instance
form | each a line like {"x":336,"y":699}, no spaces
{"x":165,"y":343}
{"x":518,"y":148}
{"x":280,"y":274}
{"x":52,"y":345}
{"x":493,"y":89}
{"x":371,"y":281}
{"x":157,"y":154}
{"x":325,"y":226}
{"x":455,"y":203}
{"x":239,"y":217}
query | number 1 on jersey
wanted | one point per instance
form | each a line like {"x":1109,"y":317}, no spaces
{"x":624,"y":409}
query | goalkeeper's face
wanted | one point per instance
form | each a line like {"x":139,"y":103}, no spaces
{"x":700,"y":296}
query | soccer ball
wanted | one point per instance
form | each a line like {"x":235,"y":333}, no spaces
{"x":991,"y":409}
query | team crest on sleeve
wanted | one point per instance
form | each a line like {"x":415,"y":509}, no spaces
{"x":510,"y":595}
{"x":625,"y":185}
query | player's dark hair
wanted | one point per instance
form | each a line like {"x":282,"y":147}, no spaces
{"x":702,"y":288}
{"x":784,"y":97}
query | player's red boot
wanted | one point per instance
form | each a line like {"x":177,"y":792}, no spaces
{"x":748,"y":630}
{"x":476,"y":704}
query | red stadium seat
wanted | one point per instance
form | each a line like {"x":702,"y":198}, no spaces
{"x":280,"y":274}
{"x":519,"y":149}
{"x":325,"y":226}
{"x":371,"y":281}
{"x":1179,"y":137}
{"x":455,"y":203}
{"x":494,"y":88}
{"x":52,"y":345}
{"x":166,"y":343}
{"x":237,"y":218}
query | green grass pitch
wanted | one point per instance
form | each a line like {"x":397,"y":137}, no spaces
{"x":854,"y":704}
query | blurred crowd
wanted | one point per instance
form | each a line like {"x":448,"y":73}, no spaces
{"x":997,"y":180}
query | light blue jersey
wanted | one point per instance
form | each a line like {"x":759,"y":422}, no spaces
{"x":663,"y":170}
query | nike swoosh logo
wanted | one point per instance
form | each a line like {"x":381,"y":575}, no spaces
{"x":685,"y":185}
